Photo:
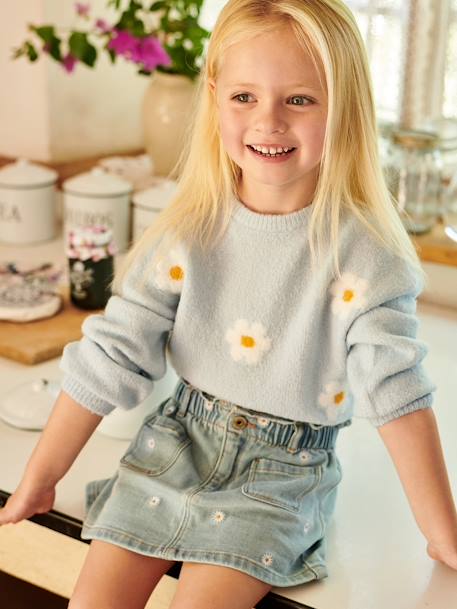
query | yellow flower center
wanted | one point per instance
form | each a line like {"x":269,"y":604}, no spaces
{"x":247,"y":341}
{"x":338,"y":398}
{"x":176,"y":273}
{"x":348,"y":295}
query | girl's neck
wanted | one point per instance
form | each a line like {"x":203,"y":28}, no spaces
{"x":263,"y":199}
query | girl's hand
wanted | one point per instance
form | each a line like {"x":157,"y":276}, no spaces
{"x":26,"y":502}
{"x":443,"y":553}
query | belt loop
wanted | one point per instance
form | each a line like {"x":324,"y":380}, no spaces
{"x":183,"y":397}
{"x":292,"y":446}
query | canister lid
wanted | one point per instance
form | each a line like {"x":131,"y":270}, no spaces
{"x":414,"y":139}
{"x":25,"y":174}
{"x":97,"y":183}
{"x":157,"y":196}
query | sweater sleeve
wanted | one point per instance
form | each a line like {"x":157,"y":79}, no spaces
{"x":384,"y":356}
{"x":123,"y":350}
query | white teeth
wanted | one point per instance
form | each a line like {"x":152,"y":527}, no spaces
{"x":271,"y":150}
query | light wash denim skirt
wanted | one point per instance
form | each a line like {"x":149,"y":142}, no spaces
{"x":205,"y":480}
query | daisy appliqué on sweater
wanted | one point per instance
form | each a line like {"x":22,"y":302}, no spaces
{"x":247,"y":341}
{"x":170,"y":270}
{"x":334,"y":399}
{"x":349,"y":294}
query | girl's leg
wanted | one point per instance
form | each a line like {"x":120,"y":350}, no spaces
{"x":205,"y":586}
{"x":116,"y":578}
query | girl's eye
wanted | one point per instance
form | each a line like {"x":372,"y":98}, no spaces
{"x":237,"y":97}
{"x":306,"y":100}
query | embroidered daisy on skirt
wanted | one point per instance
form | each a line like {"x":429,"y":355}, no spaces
{"x":247,"y":341}
{"x":170,"y":271}
{"x":334,"y":399}
{"x":348,"y":294}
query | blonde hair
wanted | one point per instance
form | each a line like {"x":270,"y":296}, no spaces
{"x":350,"y":175}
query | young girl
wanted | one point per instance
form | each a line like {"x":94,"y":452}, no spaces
{"x":283,"y":286}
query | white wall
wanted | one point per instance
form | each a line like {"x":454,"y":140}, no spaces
{"x":49,"y":115}
{"x":24,"y":100}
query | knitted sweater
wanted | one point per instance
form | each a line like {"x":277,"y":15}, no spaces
{"x":251,"y":324}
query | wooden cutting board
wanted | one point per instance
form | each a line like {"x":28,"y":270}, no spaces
{"x":37,"y":341}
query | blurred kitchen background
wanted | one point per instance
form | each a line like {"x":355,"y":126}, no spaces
{"x":87,"y":160}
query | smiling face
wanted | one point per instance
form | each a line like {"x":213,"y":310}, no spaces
{"x":268,"y":95}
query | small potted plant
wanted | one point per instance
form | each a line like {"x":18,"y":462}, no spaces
{"x":162,"y":38}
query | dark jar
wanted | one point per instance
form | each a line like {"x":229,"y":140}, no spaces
{"x":91,"y":266}
{"x":90,"y":282}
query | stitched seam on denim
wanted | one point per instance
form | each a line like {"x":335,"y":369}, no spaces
{"x":152,"y":473}
{"x":128,"y":536}
{"x":195,"y":491}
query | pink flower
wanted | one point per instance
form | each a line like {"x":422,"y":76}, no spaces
{"x":82,"y":9}
{"x":150,"y":53}
{"x":69,"y":62}
{"x":122,"y":43}
{"x":103,"y":26}
{"x":146,"y":51}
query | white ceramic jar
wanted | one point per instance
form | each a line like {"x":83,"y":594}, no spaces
{"x":27,"y":203}
{"x":98,"y":198}
{"x":147,"y":204}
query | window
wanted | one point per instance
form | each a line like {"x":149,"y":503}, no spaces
{"x":450,"y":76}
{"x":383,"y":24}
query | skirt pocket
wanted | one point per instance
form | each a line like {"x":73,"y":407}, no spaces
{"x":281,"y":484}
{"x":157,"y":445}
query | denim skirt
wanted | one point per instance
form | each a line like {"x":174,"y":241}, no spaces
{"x":205,"y":480}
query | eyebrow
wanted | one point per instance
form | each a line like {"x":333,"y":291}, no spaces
{"x":292,"y":85}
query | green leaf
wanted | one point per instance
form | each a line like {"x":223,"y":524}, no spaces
{"x":157,"y":6}
{"x":31,"y":51}
{"x":82,"y":49}
{"x":45,"y":32}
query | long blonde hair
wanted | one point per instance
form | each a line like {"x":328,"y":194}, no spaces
{"x":350,"y":175}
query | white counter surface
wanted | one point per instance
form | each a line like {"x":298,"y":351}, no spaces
{"x":376,"y":555}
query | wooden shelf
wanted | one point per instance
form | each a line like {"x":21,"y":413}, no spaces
{"x":434,"y":246}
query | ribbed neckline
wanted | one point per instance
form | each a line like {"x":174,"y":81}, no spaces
{"x":270,"y":222}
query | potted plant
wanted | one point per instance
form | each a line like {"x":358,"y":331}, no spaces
{"x":163,"y":38}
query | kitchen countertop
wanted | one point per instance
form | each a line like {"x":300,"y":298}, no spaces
{"x":376,"y":555}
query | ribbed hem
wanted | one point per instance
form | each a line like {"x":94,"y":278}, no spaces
{"x":85,"y":398}
{"x":272,"y":223}
{"x":419,"y":404}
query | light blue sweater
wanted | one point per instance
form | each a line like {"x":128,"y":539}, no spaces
{"x":251,"y":324}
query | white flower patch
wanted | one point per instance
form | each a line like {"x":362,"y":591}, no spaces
{"x":262,"y":421}
{"x":334,"y":399}
{"x":154,"y":501}
{"x":267,"y":559}
{"x":247,"y":341}
{"x":307,"y":527}
{"x":348,"y":294}
{"x":170,"y":271}
{"x":304,"y":456}
{"x":217,"y":517}
{"x":151,"y":443}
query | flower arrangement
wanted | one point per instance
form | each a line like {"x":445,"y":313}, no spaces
{"x":163,"y":35}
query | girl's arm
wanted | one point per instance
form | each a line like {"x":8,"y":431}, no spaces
{"x":69,"y":427}
{"x":414,"y":444}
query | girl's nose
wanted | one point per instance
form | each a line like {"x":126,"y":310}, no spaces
{"x":270,"y":119}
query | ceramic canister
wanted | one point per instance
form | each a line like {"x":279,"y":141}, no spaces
{"x":27,"y":203}
{"x":98,"y":198}
{"x":147,"y":204}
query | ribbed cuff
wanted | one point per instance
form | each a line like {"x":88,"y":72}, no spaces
{"x":419,"y":404}
{"x":85,"y":398}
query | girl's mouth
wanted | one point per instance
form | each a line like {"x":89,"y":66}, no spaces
{"x":271,"y":157}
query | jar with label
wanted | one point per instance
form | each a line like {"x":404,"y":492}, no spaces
{"x":90,"y":251}
{"x":412,"y":167}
